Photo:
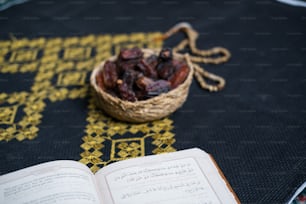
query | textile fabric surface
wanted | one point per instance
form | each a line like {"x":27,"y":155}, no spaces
{"x":254,"y":128}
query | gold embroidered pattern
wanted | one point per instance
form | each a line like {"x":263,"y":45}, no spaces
{"x":61,"y":67}
{"x":7,"y":114}
{"x":123,"y":139}
{"x":23,"y":55}
{"x":71,"y":78}
{"x":77,"y":53}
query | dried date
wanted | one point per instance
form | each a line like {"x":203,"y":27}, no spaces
{"x":146,"y":69}
{"x":126,"y":92}
{"x":99,"y":80}
{"x":150,"y":88}
{"x":179,"y":76}
{"x":165,"y":54}
{"x":128,"y":54}
{"x":165,"y":67}
{"x":165,"y":70}
{"x":125,"y":86}
{"x":152,"y":61}
{"x":143,"y":82}
{"x":158,"y":87}
{"x":109,"y":74}
{"x":132,"y":77}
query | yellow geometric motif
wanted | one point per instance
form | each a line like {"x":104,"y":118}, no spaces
{"x":71,"y":78}
{"x":7,"y":114}
{"x":23,"y":55}
{"x":77,"y":53}
{"x":61,"y":67}
{"x":125,"y":140}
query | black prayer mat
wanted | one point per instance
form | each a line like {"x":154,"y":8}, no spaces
{"x":254,"y":128}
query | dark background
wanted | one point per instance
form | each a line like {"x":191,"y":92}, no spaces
{"x":254,"y":128}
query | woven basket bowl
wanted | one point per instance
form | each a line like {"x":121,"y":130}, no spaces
{"x":145,"y":110}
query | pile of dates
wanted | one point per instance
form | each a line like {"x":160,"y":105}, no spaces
{"x":132,"y":77}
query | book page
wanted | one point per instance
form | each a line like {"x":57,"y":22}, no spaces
{"x":61,"y":182}
{"x":188,"y":176}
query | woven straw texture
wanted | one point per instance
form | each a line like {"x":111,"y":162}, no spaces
{"x":146,"y":110}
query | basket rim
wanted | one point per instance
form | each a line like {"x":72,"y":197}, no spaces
{"x":99,"y":67}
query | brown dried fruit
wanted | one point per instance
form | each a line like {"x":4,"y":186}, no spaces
{"x":110,"y":74}
{"x":132,"y":77}
{"x":143,"y":82}
{"x":128,"y":54}
{"x":150,"y":88}
{"x":146,"y":69}
{"x":165,"y":54}
{"x":179,"y":76}
{"x":124,"y":65}
{"x":99,"y":80}
{"x":165,"y":69}
{"x":126,"y":87}
{"x":152,"y":61}
{"x":158,"y":87}
{"x":126,"y":93}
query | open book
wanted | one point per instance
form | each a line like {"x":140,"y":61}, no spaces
{"x":184,"y":177}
